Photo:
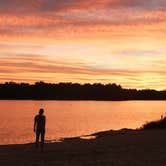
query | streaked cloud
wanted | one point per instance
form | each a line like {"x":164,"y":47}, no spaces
{"x":33,"y":6}
{"x":120,"y":41}
{"x":35,"y":68}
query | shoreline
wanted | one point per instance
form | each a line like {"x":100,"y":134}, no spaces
{"x":86,"y":137}
{"x":114,"y":147}
{"x":20,"y":99}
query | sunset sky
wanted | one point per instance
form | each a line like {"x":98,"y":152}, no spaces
{"x":84,"y":41}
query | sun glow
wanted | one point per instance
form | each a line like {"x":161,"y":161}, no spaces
{"x":78,"y":41}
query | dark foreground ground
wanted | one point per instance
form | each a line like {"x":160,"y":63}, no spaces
{"x":111,"y":148}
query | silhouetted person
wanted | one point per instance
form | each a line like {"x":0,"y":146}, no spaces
{"x":39,"y":127}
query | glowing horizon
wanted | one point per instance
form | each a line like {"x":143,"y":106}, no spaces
{"x":106,"y":41}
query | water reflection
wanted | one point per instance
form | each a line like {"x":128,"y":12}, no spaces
{"x":73,"y":118}
{"x":88,"y":137}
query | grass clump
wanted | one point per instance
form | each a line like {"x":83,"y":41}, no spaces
{"x":159,"y":124}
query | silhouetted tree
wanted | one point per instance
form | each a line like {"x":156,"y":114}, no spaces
{"x":74,"y":91}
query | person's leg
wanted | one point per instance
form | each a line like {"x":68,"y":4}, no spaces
{"x":37,"y":138}
{"x":42,"y":139}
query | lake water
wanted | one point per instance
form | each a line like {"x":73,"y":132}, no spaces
{"x":73,"y":118}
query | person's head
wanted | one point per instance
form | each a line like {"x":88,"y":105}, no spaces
{"x":41,"y":111}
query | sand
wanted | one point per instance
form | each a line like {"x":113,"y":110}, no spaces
{"x":110,"y":148}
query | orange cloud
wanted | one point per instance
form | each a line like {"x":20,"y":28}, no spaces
{"x":34,"y":68}
{"x":84,"y":41}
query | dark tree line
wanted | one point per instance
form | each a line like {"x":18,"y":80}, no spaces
{"x":75,"y":91}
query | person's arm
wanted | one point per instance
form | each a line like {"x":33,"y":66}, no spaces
{"x":34,"y":127}
{"x":44,"y":122}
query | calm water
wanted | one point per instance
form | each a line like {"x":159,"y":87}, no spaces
{"x":73,"y":118}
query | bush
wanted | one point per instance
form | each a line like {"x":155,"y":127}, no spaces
{"x":159,"y":124}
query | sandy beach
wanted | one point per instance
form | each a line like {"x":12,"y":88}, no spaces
{"x":110,"y":148}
